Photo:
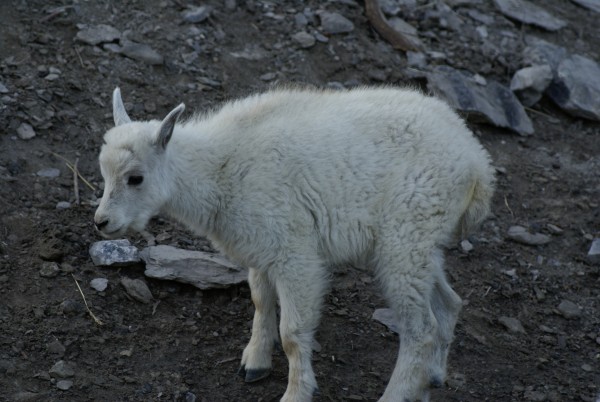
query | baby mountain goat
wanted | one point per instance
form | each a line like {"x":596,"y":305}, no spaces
{"x":292,"y":182}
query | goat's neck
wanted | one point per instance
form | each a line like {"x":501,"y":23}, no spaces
{"x":195,"y":195}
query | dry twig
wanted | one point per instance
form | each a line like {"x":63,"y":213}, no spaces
{"x":75,"y":181}
{"x":96,"y":319}
{"x":375,"y":16}
{"x":509,"y":210}
{"x":70,"y":166}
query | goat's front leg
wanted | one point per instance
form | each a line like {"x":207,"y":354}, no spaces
{"x":256,"y":359}
{"x":300,"y":287}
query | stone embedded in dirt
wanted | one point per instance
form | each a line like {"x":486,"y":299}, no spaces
{"x":529,"y":13}
{"x":493,"y":103}
{"x":95,"y":34}
{"x":203,"y":270}
{"x":197,"y":14}
{"x":304,"y":39}
{"x":529,"y":83}
{"x":25,"y":131}
{"x":540,"y":52}
{"x":64,"y":384}
{"x":99,"y":284}
{"x":49,"y":270}
{"x":593,"y":254}
{"x":523,"y":236}
{"x":554,"y":229}
{"x":51,"y":249}
{"x":593,"y":5}
{"x":48,"y":172}
{"x":141,"y":52}
{"x":71,"y":307}
{"x":115,"y":253}
{"x":61,"y":369}
{"x":56,"y":347}
{"x":568,"y":309}
{"x":251,"y":52}
{"x":587,"y":367}
{"x":466,"y":246}
{"x":137,"y":289}
{"x":3,"y":89}
{"x":334,"y":23}
{"x":416,"y":59}
{"x":63,"y":205}
{"x":512,"y":324}
{"x":576,"y":87}
{"x":388,"y":318}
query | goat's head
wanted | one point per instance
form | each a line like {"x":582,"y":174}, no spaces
{"x":133,"y":165}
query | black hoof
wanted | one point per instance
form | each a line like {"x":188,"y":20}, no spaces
{"x":253,"y":375}
{"x":242,"y":371}
{"x":316,"y":392}
{"x":436,"y":382}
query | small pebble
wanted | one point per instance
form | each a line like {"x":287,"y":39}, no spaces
{"x":61,"y":369}
{"x":568,"y":309}
{"x":25,"y":131}
{"x":63,"y":205}
{"x":49,"y":270}
{"x":48,"y":172}
{"x":99,"y":284}
{"x":64,"y":384}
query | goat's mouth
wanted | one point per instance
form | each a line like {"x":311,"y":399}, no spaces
{"x":111,"y":234}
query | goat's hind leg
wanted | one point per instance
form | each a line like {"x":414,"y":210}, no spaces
{"x":446,"y":305}
{"x":407,"y":280}
{"x":256,"y":359}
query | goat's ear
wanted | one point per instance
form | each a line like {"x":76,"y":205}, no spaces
{"x":166,"y":127}
{"x":119,"y":112}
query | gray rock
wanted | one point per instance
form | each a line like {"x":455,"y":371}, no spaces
{"x":334,"y":23}
{"x":529,"y":13}
{"x":593,"y":5}
{"x":492,"y":103}
{"x":530,"y":83}
{"x":56,"y":347}
{"x":95,"y":34}
{"x":99,"y":284}
{"x":539,"y":52}
{"x":48,"y":172}
{"x":141,"y":52}
{"x":64,"y":384}
{"x":593,"y":254}
{"x":71,"y":307}
{"x":416,"y":59}
{"x":523,"y":236}
{"x":49,"y":270}
{"x":304,"y":39}
{"x":114,"y":253}
{"x":512,"y":325}
{"x":251,"y":52}
{"x":61,"y":369}
{"x":388,"y":318}
{"x":203,"y":270}
{"x":407,"y":30}
{"x":568,"y":309}
{"x":197,"y":14}
{"x":466,"y":246}
{"x":576,"y":87}
{"x":3,"y":89}
{"x":25,"y":131}
{"x":63,"y":205}
{"x":137,"y":289}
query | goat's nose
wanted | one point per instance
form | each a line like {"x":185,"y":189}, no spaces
{"x":100,"y":225}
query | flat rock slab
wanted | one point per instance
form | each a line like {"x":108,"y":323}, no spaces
{"x":203,"y":270}
{"x":529,"y":13}
{"x":491,"y":103}
{"x":523,"y":236}
{"x":115,"y":253}
{"x":388,"y":318}
{"x":529,"y":83}
{"x":95,"y":34}
{"x":593,"y":254}
{"x":593,"y":5}
{"x":141,"y":52}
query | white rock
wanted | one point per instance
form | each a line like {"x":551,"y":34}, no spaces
{"x":114,"y":253}
{"x":466,"y":246}
{"x":25,"y":131}
{"x":529,"y":83}
{"x":99,"y":284}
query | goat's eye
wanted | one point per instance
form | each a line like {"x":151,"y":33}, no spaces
{"x":135,"y":180}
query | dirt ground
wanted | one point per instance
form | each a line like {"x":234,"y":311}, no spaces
{"x":187,"y":346}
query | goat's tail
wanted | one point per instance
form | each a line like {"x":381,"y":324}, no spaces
{"x":477,"y":203}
